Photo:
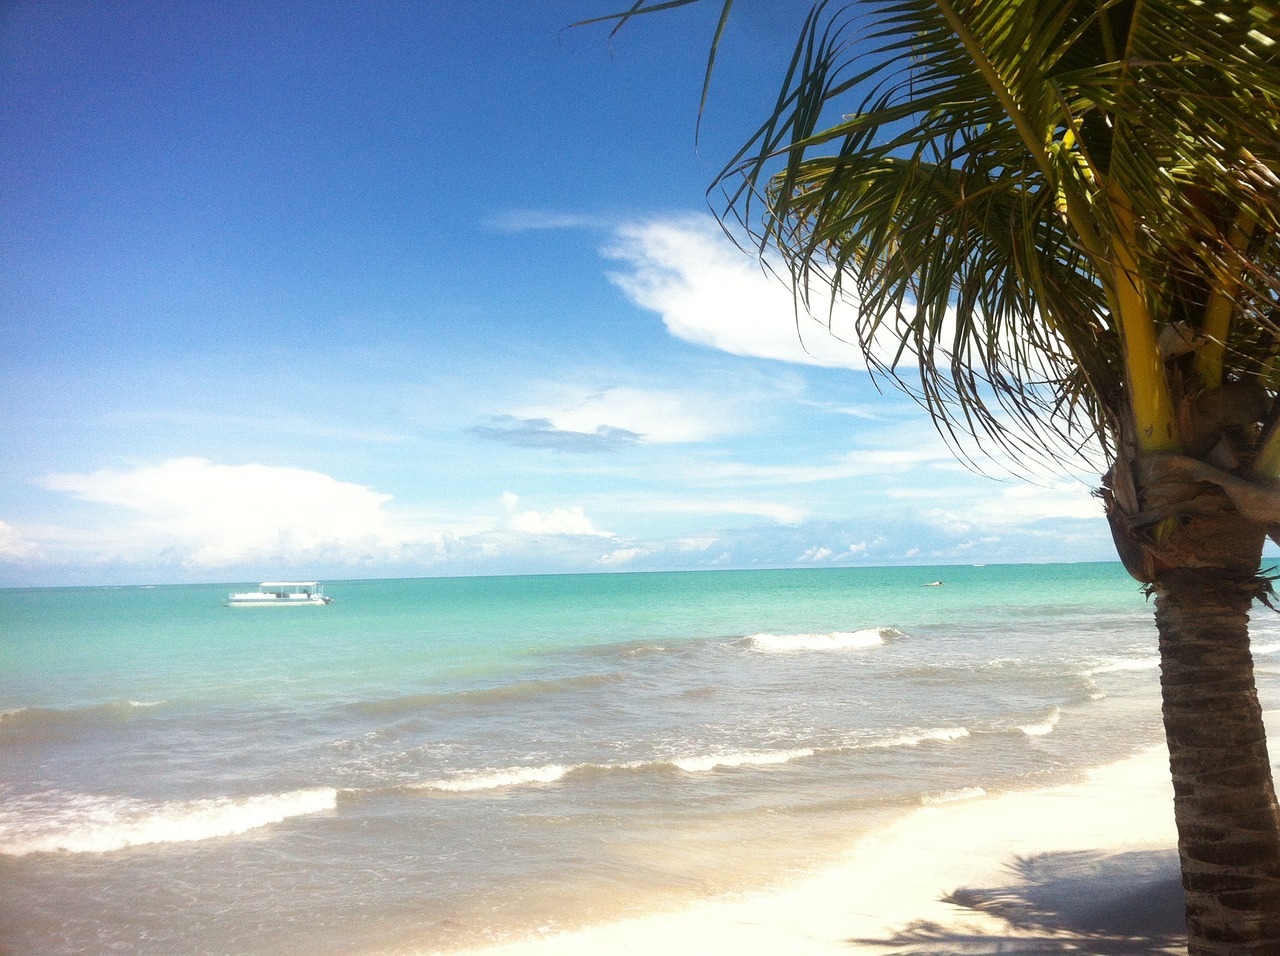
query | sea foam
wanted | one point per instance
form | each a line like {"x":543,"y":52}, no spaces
{"x":84,"y":823}
{"x":757,"y":758}
{"x":832,"y":641}
{"x":952,"y":796}
{"x":1043,"y":727}
{"x":1120,"y":666}
{"x":933,"y":735}
{"x":496,"y":779}
{"x":472,"y":781}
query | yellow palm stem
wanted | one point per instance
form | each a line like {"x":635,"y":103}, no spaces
{"x":1152,"y":406}
{"x":1217,"y":315}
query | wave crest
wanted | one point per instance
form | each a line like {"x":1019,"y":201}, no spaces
{"x":756,"y":758}
{"x":934,"y":735}
{"x":496,"y":779}
{"x":476,"y":781}
{"x":1043,"y":727}
{"x":83,"y":823}
{"x":1112,"y":667}
{"x":473,"y":781}
{"x":832,"y":641}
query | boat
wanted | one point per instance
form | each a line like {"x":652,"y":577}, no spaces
{"x":281,"y":594}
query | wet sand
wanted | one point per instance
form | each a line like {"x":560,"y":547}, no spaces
{"x":1091,"y":860}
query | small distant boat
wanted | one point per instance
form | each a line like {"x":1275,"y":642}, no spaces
{"x":932,"y":584}
{"x":281,"y":594}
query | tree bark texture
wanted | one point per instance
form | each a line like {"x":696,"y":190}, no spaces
{"x":1224,"y":798}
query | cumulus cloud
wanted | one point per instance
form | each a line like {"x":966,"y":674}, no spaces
{"x":816,"y":555}
{"x":13,"y":545}
{"x":199,"y":515}
{"x":212,"y":515}
{"x":558,"y":521}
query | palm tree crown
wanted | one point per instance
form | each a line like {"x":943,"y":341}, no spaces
{"x":1028,"y":191}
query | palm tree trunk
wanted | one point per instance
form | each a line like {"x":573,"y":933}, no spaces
{"x":1224,"y":798}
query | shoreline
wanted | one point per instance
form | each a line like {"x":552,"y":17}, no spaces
{"x":1091,"y":859}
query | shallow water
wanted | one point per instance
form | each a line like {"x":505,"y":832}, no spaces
{"x":432,"y":763}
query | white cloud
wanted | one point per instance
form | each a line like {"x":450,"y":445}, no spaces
{"x":623,"y":556}
{"x":13,"y":546}
{"x":652,"y":416}
{"x":710,"y":292}
{"x":559,"y":521}
{"x":815,"y":555}
{"x":210,"y":515}
{"x":196,"y":514}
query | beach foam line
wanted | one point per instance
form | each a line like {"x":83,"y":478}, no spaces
{"x":915,"y":739}
{"x":477,"y":781}
{"x":831,"y":641}
{"x":748,"y":758}
{"x":85,"y":823}
{"x":473,"y":781}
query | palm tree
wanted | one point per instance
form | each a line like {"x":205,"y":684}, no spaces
{"x":1067,"y":212}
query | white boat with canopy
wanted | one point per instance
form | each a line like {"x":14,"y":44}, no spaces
{"x":281,"y":594}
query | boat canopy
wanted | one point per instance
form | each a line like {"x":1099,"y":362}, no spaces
{"x":290,"y":584}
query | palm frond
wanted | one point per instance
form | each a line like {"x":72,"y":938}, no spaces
{"x":988,"y":178}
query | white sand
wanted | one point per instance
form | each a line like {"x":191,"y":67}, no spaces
{"x":1102,"y":851}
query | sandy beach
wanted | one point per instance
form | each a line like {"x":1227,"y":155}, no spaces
{"x":1049,"y":869}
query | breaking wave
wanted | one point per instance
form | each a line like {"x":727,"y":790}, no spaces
{"x":84,"y":823}
{"x":474,"y":781}
{"x":935,"y":735}
{"x":1043,"y":727}
{"x":832,"y":641}
{"x":758,"y":758}
{"x":496,"y":779}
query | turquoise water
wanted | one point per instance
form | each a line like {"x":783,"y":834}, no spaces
{"x":429,"y":764}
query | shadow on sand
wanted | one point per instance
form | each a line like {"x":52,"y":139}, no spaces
{"x":1086,"y":903}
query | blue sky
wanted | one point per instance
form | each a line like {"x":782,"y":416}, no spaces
{"x":364,"y":289}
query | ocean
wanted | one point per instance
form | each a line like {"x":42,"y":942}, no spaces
{"x":427,"y":765}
